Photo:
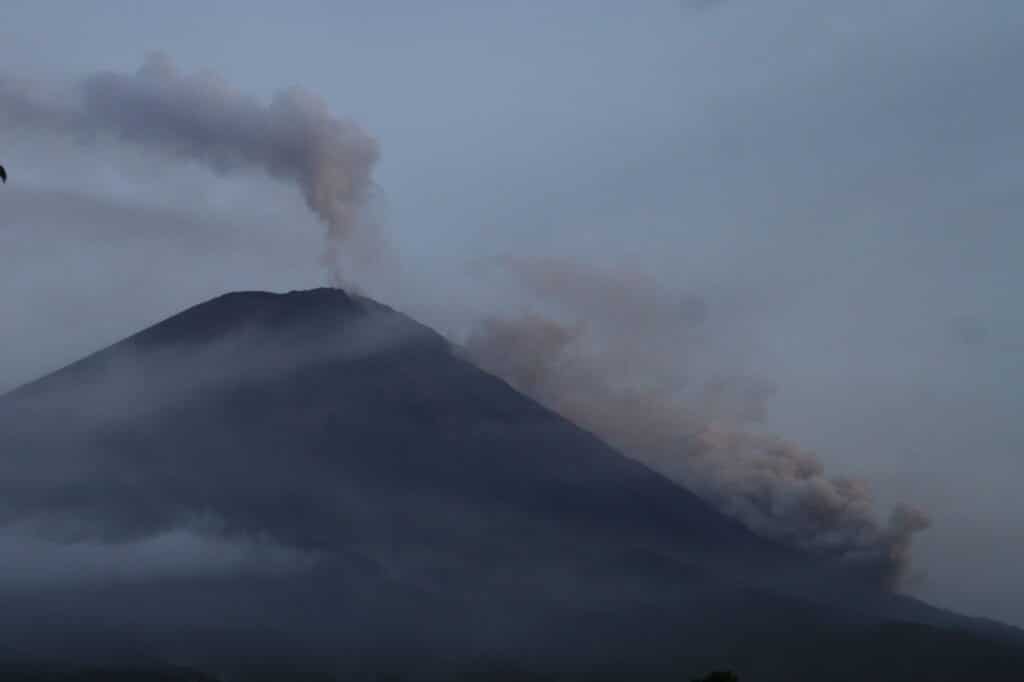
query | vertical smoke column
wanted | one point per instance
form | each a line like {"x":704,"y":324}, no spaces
{"x":200,"y":118}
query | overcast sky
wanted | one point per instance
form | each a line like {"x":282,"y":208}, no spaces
{"x":842,"y":181}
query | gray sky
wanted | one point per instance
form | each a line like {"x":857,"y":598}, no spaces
{"x":840,"y":181}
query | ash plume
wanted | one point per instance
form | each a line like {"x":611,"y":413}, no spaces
{"x":200,"y":118}
{"x":616,"y":355}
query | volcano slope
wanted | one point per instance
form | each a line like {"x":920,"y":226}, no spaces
{"x":283,"y":484}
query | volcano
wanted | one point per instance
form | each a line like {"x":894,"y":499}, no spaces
{"x":311,"y":483}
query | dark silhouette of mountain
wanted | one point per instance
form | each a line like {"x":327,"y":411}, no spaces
{"x":279,"y":485}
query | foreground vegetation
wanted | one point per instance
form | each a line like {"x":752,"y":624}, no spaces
{"x":896,"y":652}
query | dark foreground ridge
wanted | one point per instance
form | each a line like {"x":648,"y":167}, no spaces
{"x":307,"y":485}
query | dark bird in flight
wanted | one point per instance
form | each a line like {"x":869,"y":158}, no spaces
{"x":3,"y":174}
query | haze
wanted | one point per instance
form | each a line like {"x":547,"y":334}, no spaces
{"x":839,"y":184}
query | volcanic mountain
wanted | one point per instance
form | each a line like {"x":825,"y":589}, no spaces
{"x":274,"y":482}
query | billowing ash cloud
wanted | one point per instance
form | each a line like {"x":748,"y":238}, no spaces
{"x":616,"y":355}
{"x":200,"y":118}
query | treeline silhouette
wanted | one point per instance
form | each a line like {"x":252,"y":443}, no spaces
{"x":895,"y":652}
{"x":719,"y":676}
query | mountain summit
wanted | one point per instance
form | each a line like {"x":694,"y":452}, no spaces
{"x":315,"y":478}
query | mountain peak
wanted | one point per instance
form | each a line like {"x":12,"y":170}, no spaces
{"x":248,"y":308}
{"x":285,"y":324}
{"x":317,"y":462}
